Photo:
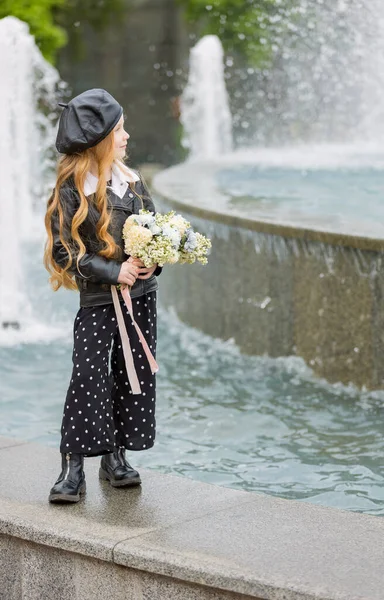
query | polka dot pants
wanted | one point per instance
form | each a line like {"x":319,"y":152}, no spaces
{"x":100,"y":411}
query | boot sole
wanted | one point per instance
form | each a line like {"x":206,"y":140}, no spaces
{"x":68,"y":497}
{"x":118,"y":482}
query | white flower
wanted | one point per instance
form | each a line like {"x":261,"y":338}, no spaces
{"x":130,"y":222}
{"x":179,"y":222}
{"x":173,"y":234}
{"x":155,"y":229}
{"x":145,"y":219}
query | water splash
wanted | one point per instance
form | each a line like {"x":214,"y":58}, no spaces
{"x":29,"y":89}
{"x":205,"y":110}
{"x":326,"y":78}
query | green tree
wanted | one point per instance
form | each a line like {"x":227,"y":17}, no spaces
{"x":39,"y":16}
{"x":49,"y":20}
{"x":252,"y":28}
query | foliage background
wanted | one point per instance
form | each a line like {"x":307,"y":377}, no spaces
{"x":251,"y":28}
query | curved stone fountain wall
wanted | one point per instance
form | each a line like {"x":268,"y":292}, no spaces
{"x":278,"y":289}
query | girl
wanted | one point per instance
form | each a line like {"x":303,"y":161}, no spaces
{"x":94,"y":194}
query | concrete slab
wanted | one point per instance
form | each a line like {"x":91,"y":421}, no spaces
{"x":201,"y":534}
{"x":6,"y":442}
{"x":270,"y":548}
{"x":105,"y":515}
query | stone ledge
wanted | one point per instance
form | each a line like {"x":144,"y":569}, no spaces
{"x":181,"y":186}
{"x":228,"y":540}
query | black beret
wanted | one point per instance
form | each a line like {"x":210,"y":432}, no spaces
{"x":86,"y":120}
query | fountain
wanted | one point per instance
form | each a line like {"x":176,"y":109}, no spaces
{"x":27,"y":99}
{"x":276,"y":287}
{"x":297,"y":229}
{"x":205,"y":111}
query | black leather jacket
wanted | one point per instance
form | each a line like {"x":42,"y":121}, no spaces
{"x":96,"y":274}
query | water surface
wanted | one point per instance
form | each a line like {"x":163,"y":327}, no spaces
{"x":346,"y":199}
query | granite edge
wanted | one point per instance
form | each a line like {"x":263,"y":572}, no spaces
{"x":130,"y":551}
{"x":264,"y":226}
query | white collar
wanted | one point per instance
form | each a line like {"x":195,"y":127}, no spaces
{"x":121,"y":176}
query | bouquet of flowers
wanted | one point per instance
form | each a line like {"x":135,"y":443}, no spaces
{"x":164,"y":238}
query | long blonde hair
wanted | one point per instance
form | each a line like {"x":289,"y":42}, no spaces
{"x":77,"y":165}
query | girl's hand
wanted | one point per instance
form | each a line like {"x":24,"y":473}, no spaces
{"x":128,"y":273}
{"x":143,"y":271}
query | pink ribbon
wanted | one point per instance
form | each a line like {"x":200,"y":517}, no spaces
{"x":127,"y":351}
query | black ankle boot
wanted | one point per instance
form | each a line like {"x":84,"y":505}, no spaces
{"x":71,"y":481}
{"x":116,"y":469}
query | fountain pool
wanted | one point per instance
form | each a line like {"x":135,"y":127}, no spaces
{"x":297,"y":229}
{"x":303,"y":189}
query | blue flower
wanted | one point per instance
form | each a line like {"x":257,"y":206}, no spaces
{"x":191,"y":241}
